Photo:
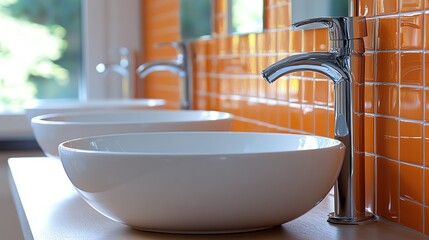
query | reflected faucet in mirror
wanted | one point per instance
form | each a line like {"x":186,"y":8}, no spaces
{"x":177,"y":66}
{"x":344,"y":65}
{"x":122,"y":68}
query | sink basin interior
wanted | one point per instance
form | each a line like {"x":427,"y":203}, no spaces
{"x":202,"y":143}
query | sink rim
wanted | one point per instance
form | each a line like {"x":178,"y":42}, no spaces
{"x":89,"y":141}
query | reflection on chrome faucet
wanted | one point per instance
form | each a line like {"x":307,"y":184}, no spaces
{"x":177,"y":66}
{"x":122,"y":68}
{"x":344,"y":64}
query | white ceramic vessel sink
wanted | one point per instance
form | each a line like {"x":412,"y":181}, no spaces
{"x":52,"y":129}
{"x":202,"y":182}
{"x":48,"y":106}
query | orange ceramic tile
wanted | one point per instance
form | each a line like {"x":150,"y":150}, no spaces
{"x":387,"y":6}
{"x":411,"y":142}
{"x":426,"y":29}
{"x":411,"y":103}
{"x":387,"y":189}
{"x":411,"y":32}
{"x":387,"y":100}
{"x":270,"y":18}
{"x":411,"y":182}
{"x":369,"y":67}
{"x":369,"y":134}
{"x":426,"y":149}
{"x":307,"y":91}
{"x":369,"y":40}
{"x":411,"y":5}
{"x":369,"y":98}
{"x":321,"y":92}
{"x":365,"y":8}
{"x":387,"y":67}
{"x":308,"y":118}
{"x":386,"y":137}
{"x":283,"y":41}
{"x":295,"y":112}
{"x":370,"y":183}
{"x":283,"y":114}
{"x":295,"y":41}
{"x":331,"y":123}
{"x":283,"y":17}
{"x":359,"y":132}
{"x":321,"y":121}
{"x":295,"y":90}
{"x":308,"y":40}
{"x":387,"y":33}
{"x":426,"y":217}
{"x":411,"y":215}
{"x":321,"y":39}
{"x":411,"y":65}
{"x":426,"y":69}
{"x":426,"y":189}
{"x":260,"y":43}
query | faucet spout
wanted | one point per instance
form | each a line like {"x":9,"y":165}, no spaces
{"x":173,"y":66}
{"x":322,"y":62}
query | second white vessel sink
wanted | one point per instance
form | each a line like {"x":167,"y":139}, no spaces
{"x":52,"y":129}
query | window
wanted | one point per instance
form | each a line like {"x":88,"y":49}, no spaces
{"x":62,"y":42}
{"x":40,"y":51}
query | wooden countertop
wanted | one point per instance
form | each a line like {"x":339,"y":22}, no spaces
{"x":50,"y":208}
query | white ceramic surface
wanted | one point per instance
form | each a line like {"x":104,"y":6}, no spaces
{"x":48,"y":106}
{"x":202,"y":182}
{"x":52,"y":129}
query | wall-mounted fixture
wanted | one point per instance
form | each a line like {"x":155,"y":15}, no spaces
{"x":123,"y":68}
{"x":178,"y":66}
{"x":344,"y":64}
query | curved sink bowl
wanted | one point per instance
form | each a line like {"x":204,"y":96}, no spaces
{"x":52,"y":129}
{"x":48,"y":106}
{"x":202,"y":182}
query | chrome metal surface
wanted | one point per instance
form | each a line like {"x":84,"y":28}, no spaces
{"x":177,"y":66}
{"x":344,"y":64}
{"x":123,"y":68}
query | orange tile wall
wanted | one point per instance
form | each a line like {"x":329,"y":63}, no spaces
{"x":227,"y":78}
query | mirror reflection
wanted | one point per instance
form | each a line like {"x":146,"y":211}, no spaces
{"x":245,"y":16}
{"x":195,"y":18}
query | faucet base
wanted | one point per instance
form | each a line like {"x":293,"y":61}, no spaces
{"x":361,"y":218}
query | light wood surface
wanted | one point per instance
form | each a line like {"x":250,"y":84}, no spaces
{"x":50,"y":208}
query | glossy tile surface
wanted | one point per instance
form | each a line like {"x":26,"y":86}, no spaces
{"x":396,"y":99}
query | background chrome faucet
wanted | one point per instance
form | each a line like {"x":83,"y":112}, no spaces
{"x":344,"y":64}
{"x":178,"y":66}
{"x":123,"y":68}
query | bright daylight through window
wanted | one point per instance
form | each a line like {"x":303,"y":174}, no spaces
{"x":40,"y":51}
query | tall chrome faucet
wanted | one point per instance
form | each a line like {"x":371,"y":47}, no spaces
{"x":178,"y":66}
{"x":344,"y":64}
{"x":123,"y":68}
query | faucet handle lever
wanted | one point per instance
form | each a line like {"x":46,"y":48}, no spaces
{"x":340,"y":28}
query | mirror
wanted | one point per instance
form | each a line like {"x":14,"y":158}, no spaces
{"x":195,"y":18}
{"x":245,"y":16}
{"x":305,"y":9}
